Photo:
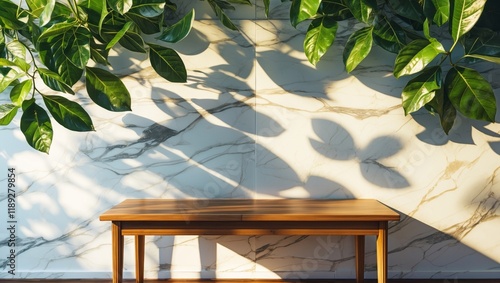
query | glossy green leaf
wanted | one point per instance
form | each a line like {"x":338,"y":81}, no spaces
{"x":36,"y":127}
{"x":415,"y":56}
{"x":441,"y":105}
{"x":97,"y":12}
{"x":57,"y":29}
{"x":471,"y":94}
{"x":464,"y":15}
{"x":388,"y":34}
{"x":20,"y":91}
{"x":118,"y":36}
{"x":68,"y":113}
{"x":7,"y":113}
{"x":267,"y":3}
{"x":319,"y":38}
{"x":358,"y":46}
{"x":483,"y":44}
{"x":99,"y":53}
{"x":179,"y":30}
{"x":148,"y":8}
{"x":218,"y":8}
{"x":107,"y":90}
{"x":54,"y":81}
{"x":335,"y":9}
{"x":437,"y":10}
{"x":167,"y":63}
{"x":244,"y":2}
{"x":131,"y":40}
{"x":8,"y":78}
{"x":410,"y":9}
{"x":359,"y":9}
{"x":12,"y":16}
{"x":65,"y":50}
{"x":7,"y":63}
{"x":17,"y":49}
{"x":147,"y":25}
{"x":3,"y":52}
{"x":121,"y":6}
{"x":42,"y":9}
{"x":421,"y":90}
{"x":302,"y":10}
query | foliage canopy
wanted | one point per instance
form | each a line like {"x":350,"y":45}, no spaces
{"x":61,"y":42}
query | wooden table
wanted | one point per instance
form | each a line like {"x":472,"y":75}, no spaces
{"x":142,"y":217}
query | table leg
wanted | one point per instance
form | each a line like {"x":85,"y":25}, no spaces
{"x":382,"y":252}
{"x":139,"y":258}
{"x":117,"y":247}
{"x":360,"y":258}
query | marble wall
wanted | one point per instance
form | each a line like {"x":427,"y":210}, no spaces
{"x":256,"y":120}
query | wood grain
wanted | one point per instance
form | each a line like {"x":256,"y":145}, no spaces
{"x":250,"y":210}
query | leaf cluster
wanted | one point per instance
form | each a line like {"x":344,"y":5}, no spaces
{"x":59,"y":43}
{"x":443,"y":80}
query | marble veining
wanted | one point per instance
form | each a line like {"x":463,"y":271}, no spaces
{"x":256,"y":120}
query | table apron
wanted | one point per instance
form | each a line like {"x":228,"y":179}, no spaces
{"x":251,"y":228}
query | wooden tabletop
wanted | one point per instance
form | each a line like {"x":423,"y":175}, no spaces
{"x":249,"y":210}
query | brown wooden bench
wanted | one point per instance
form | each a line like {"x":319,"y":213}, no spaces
{"x":157,"y":217}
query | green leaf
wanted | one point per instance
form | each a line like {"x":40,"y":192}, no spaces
{"x":17,"y":49}
{"x":335,"y":9}
{"x":65,"y":50}
{"x":121,"y":6}
{"x":319,"y":38}
{"x":133,"y":42}
{"x":7,"y":79}
{"x":415,"y":56}
{"x":410,"y":9}
{"x":68,"y":113}
{"x":97,"y":12}
{"x":42,"y":9}
{"x":99,"y":53}
{"x":179,"y":30}
{"x":302,"y":10}
{"x":359,"y":9}
{"x":107,"y":90}
{"x":437,"y":10}
{"x":148,"y":8}
{"x":145,"y":24}
{"x":471,"y":94}
{"x":20,"y":91}
{"x":218,"y":8}
{"x":464,"y":15}
{"x":54,"y":81}
{"x":167,"y":63}
{"x":266,"y":7}
{"x":388,"y":34}
{"x":57,"y":30}
{"x":36,"y":127}
{"x":421,"y":89}
{"x":119,"y":35}
{"x":358,"y":46}
{"x":12,"y":16}
{"x":244,"y":2}
{"x":441,"y":105}
{"x":7,"y":113}
{"x":482,"y":44}
{"x":7,"y":63}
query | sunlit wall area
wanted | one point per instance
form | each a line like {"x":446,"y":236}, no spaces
{"x":257,"y":120}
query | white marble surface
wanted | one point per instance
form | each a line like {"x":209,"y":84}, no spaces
{"x":255,"y":120}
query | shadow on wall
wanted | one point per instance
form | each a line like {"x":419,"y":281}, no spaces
{"x":416,"y":250}
{"x":215,"y":146}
